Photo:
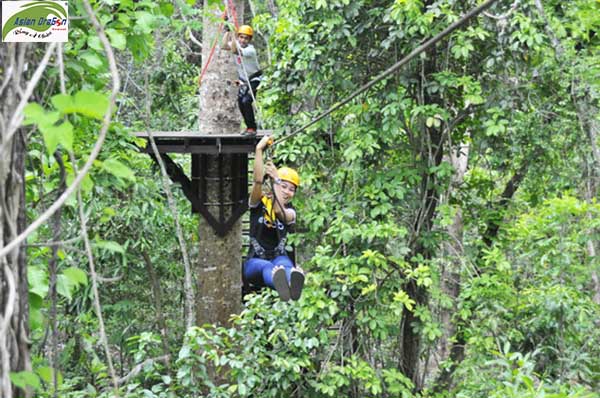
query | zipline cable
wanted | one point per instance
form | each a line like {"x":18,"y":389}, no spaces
{"x":425,"y":46}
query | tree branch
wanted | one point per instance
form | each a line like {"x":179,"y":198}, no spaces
{"x":187,"y":284}
{"x":52,"y":265}
{"x":97,"y":146}
{"x":94,"y":278}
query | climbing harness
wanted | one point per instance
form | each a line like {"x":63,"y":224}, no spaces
{"x":258,"y":251}
{"x":261,"y":252}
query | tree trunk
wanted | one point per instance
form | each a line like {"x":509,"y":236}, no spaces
{"x":431,"y":151}
{"x":14,"y":304}
{"x":450,"y":277}
{"x":157,"y":297}
{"x":219,"y":261}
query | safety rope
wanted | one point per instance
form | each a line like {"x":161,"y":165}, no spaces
{"x":212,"y":51}
{"x":230,"y":6}
{"x":423,"y":47}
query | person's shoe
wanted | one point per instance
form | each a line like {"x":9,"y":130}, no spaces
{"x":249,"y":132}
{"x":281,"y":284}
{"x":296,"y":283}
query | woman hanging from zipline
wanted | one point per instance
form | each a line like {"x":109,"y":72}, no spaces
{"x":271,"y":216}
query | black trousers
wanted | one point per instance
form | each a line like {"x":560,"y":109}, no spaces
{"x":245,"y":103}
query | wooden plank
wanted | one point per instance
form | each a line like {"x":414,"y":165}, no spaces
{"x":209,"y":149}
{"x":197,"y":135}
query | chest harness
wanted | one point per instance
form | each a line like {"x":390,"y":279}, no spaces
{"x":269,"y":221}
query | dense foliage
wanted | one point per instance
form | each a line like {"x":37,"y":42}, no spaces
{"x":448,"y":217}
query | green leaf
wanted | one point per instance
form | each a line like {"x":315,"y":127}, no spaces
{"x":144,"y":21}
{"x":63,"y":102}
{"x":68,"y":282}
{"x":34,"y":113}
{"x":86,"y":184}
{"x":47,"y":374}
{"x":55,"y":135}
{"x":91,"y":103}
{"x":118,"y":169}
{"x":109,"y":245}
{"x":95,"y":43}
{"x":167,"y":9}
{"x":25,"y":379}
{"x":92,"y":59}
{"x":38,"y":280}
{"x":36,"y":318}
{"x":76,"y":275}
{"x":35,"y":301}
{"x":64,"y":286}
{"x":117,"y":38}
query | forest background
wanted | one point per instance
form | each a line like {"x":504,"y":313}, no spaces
{"x":448,"y":218}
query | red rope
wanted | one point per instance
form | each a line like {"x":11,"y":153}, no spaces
{"x":212,"y":52}
{"x":231,"y":7}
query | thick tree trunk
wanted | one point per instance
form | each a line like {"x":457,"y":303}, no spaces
{"x":450,"y":277}
{"x":219,"y":261}
{"x":14,"y":304}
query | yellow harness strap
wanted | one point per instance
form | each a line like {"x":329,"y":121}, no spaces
{"x":270,"y":213}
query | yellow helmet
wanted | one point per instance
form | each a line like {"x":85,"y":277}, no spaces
{"x":288,"y":174}
{"x":246,"y":30}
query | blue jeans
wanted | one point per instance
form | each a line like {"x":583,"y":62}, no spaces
{"x":259,"y":272}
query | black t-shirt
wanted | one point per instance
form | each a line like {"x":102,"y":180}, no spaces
{"x":264,"y":225}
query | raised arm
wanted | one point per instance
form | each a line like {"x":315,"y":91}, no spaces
{"x":258,"y":172}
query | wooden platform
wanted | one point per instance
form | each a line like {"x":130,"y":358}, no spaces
{"x":196,"y":142}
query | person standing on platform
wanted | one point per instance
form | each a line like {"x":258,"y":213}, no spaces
{"x":249,"y":73}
